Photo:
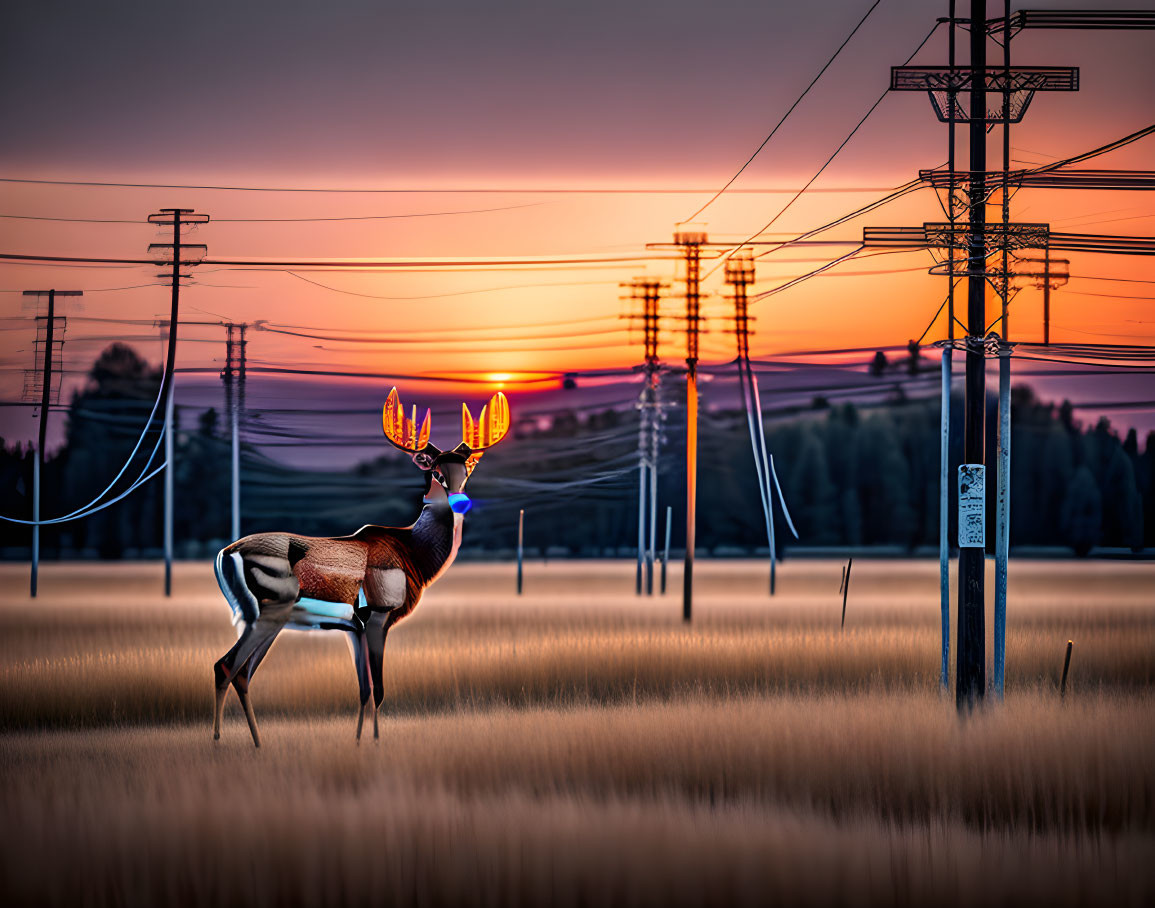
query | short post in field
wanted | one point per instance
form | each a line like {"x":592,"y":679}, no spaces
{"x":666,"y":549}
{"x":520,"y":545}
{"x":641,"y":528}
{"x":846,"y":588}
{"x":652,"y":544}
{"x":1066,"y":670}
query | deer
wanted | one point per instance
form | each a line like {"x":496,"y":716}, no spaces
{"x":361,"y":584}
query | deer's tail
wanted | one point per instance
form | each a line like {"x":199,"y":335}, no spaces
{"x":229,"y":568}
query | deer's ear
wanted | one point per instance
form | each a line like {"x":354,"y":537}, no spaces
{"x":424,"y":460}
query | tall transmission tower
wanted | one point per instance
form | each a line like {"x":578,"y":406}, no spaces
{"x":179,"y":254}
{"x":739,"y":273}
{"x":648,"y":291}
{"x":691,"y":240}
{"x":43,"y":381}
{"x":233,"y":375}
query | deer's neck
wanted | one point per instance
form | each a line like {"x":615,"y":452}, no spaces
{"x":436,"y":538}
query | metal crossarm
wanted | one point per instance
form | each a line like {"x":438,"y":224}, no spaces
{"x":959,"y":78}
{"x":1073,"y":18}
{"x":945,"y":235}
{"x":950,"y":88}
{"x":164,"y":253}
{"x":995,"y":236}
{"x":1054,"y":179}
{"x":894,"y":237}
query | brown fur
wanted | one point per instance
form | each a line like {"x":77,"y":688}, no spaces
{"x":332,"y":569}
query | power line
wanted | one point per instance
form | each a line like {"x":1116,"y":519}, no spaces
{"x":797,"y":101}
{"x":265,"y":325}
{"x":843,"y":144}
{"x":440,"y":339}
{"x":817,"y":271}
{"x":367,"y":265}
{"x":433,"y":296}
{"x":367,"y":217}
{"x":463,"y":190}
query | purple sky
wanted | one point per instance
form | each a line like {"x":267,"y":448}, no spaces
{"x":460,"y":95}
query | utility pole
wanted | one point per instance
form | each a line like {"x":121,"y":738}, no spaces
{"x":691,"y":242}
{"x":1047,"y":298}
{"x":648,"y":291}
{"x":970,"y":668}
{"x":959,"y":94}
{"x":1054,"y":274}
{"x":952,"y":209}
{"x":233,"y":376}
{"x":1003,"y":436}
{"x":176,"y":218}
{"x":50,"y":348}
{"x":739,"y":272}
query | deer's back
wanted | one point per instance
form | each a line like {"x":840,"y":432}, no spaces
{"x":285,"y":567}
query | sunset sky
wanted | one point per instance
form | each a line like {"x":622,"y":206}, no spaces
{"x":462,"y":115}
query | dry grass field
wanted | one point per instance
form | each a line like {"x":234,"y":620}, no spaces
{"x":580,"y":746}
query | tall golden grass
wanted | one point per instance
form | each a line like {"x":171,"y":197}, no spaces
{"x":110,"y":649}
{"x":653,"y":805}
{"x":580,"y":746}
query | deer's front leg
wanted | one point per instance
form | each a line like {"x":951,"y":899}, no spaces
{"x":375,"y":630}
{"x":359,"y":650}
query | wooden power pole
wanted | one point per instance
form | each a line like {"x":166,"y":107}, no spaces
{"x":176,"y":218}
{"x":691,"y":242}
{"x":48,"y":395}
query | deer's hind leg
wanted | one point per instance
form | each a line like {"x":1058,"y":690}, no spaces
{"x":237,"y":666}
{"x":223,"y":672}
{"x":376,"y":628}
{"x":264,"y":633}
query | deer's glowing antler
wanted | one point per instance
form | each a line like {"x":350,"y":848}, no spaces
{"x":491,"y":426}
{"x":402,"y":431}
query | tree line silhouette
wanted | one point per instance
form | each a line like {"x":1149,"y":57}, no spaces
{"x":851,"y":476}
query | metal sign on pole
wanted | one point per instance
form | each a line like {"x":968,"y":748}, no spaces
{"x":972,"y":506}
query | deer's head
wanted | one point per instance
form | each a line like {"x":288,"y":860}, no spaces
{"x":446,"y":471}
